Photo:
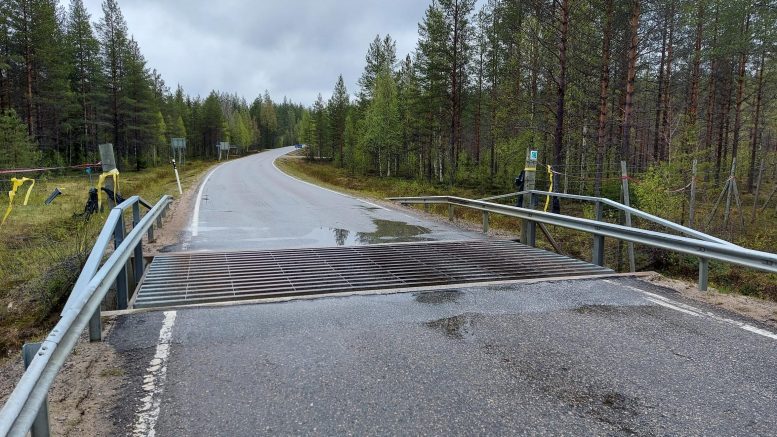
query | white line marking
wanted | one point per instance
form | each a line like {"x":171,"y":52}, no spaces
{"x":153,"y":382}
{"x":196,"y":217}
{"x":327,"y":189}
{"x":696,"y":312}
{"x":668,"y":305}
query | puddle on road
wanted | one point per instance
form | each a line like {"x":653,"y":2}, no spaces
{"x":387,"y":231}
{"x":438,"y":297}
{"x":459,"y":327}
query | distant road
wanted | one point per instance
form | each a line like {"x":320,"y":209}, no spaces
{"x":250,"y":204}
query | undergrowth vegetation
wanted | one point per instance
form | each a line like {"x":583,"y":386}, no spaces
{"x":43,"y":247}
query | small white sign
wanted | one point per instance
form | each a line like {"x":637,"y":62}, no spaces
{"x":533,"y":155}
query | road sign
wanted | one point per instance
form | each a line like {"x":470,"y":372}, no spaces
{"x":533,"y":155}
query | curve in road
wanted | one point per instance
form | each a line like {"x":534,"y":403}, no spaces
{"x":249,"y":204}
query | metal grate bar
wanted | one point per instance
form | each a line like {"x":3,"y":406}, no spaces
{"x":201,"y":277}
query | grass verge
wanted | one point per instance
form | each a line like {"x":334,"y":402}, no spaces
{"x":43,"y":247}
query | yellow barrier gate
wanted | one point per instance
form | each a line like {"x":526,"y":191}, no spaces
{"x":101,"y":181}
{"x":15,"y":185}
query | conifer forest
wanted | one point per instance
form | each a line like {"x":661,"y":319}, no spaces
{"x":587,"y":83}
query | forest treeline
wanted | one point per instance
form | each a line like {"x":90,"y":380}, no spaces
{"x":69,"y":83}
{"x":588,"y":83}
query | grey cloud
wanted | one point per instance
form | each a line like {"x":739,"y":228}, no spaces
{"x":294,"y":48}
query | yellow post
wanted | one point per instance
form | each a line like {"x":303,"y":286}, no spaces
{"x":550,"y":189}
{"x":114,"y":174}
{"x":15,"y":185}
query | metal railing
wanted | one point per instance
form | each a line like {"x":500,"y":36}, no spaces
{"x":26,"y":409}
{"x":703,"y":246}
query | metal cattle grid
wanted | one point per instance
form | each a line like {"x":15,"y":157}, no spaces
{"x":202,"y":277}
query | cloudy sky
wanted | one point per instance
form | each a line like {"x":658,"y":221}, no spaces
{"x":294,"y":48}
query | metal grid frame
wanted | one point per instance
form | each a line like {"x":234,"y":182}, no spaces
{"x":193,"y":278}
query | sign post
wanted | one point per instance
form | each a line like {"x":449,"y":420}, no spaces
{"x":528,"y":230}
{"x":179,"y":149}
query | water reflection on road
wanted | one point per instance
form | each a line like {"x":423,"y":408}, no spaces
{"x":386,"y":231}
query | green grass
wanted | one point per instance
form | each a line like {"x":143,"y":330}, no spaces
{"x":762,"y":235}
{"x":42,"y":247}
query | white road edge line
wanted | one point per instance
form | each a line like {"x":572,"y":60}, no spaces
{"x":327,"y":189}
{"x":195,"y":227}
{"x":691,"y":310}
{"x":154,"y":380}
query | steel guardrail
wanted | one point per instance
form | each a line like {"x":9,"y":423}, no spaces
{"x":703,"y":249}
{"x":619,"y":206}
{"x":21,"y":408}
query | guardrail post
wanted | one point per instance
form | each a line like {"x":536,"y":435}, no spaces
{"x":40,"y":427}
{"x":450,"y":212}
{"x":426,"y":207}
{"x":597,"y":257}
{"x":486,"y":220}
{"x":95,"y":327}
{"x":122,"y":285}
{"x":138,"y":272}
{"x":529,"y":225}
{"x":704,"y":272}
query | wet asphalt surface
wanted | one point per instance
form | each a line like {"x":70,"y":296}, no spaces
{"x":249,"y":204}
{"x":585,"y":357}
{"x":582,"y":357}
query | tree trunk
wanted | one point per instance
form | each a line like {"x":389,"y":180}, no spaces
{"x":631,"y":70}
{"x":725,"y":106}
{"x":660,"y":95}
{"x":667,"y":95}
{"x":558,"y":149}
{"x":693,"y":94}
{"x":756,"y":119}
{"x":711,"y":94}
{"x":740,"y":90}
{"x":604,"y":82}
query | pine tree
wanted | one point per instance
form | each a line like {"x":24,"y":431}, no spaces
{"x":85,"y":77}
{"x":383,"y":134}
{"x":381,"y":56}
{"x":112,"y":31}
{"x":268,"y":121}
{"x":19,"y":150}
{"x":338,"y":110}
{"x":212,"y":124}
{"x":321,"y":121}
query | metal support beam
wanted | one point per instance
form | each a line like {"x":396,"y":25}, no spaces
{"x":486,"y":222}
{"x":450,"y":212}
{"x":122,"y":284}
{"x":704,"y":273}
{"x":40,"y":427}
{"x":138,"y":267}
{"x":597,"y":256}
{"x":96,"y":327}
{"x":530,"y":225}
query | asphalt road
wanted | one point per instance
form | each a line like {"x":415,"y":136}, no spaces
{"x":590,"y":357}
{"x":249,"y":204}
{"x":586,"y":357}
